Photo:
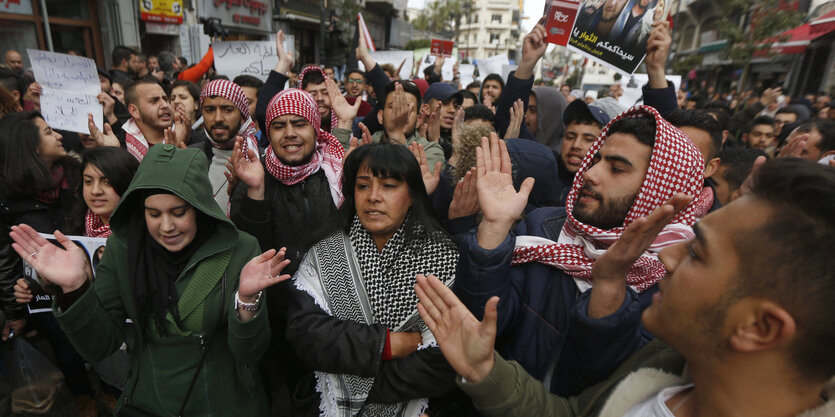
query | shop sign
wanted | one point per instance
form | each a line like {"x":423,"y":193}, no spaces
{"x":16,"y":6}
{"x":162,"y":29}
{"x":244,"y":14}
{"x":161,"y":11}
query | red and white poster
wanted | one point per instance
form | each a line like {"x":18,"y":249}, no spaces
{"x":441,"y":47}
{"x":561,"y":16}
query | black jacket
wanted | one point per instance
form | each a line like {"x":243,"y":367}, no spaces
{"x":45,"y":218}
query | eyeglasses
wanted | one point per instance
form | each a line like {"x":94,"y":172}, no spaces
{"x":355,"y":81}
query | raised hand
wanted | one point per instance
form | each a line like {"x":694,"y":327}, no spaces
{"x":108,"y":138}
{"x":794,"y":146}
{"x":610,"y":269}
{"x":261,"y":272}
{"x":465,"y":198}
{"x":517,"y":115}
{"x":248,"y":169}
{"x":231,"y":178}
{"x":499,"y":201}
{"x":63,"y":266}
{"x":355,"y":143}
{"x":439,"y":64}
{"x":364,"y":56}
{"x":533,"y":47}
{"x":457,"y":125}
{"x":182,"y":128}
{"x":658,"y":47}
{"x":397,"y":128}
{"x":285,"y":60}
{"x":107,"y":104}
{"x":431,"y":178}
{"x":433,"y":130}
{"x":345,"y":113}
{"x":467,"y":344}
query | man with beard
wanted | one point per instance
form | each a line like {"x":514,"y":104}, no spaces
{"x":563,"y":326}
{"x":283,"y":199}
{"x":125,"y":62}
{"x":602,"y":20}
{"x":152,"y":119}
{"x":225,"y":116}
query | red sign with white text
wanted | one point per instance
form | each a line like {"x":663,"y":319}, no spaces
{"x":441,"y":47}
{"x":561,"y":16}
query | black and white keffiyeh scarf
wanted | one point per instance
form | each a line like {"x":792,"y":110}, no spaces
{"x":380,"y":289}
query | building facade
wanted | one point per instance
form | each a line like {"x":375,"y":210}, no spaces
{"x":491,"y":27}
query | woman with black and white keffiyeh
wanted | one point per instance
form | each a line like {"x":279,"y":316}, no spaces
{"x":352,"y":316}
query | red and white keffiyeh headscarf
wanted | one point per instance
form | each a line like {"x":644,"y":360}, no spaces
{"x":94,"y":226}
{"x":135,"y":140}
{"x":314,"y":68}
{"x":232,"y":92}
{"x":675,"y":166}
{"x":328,"y":154}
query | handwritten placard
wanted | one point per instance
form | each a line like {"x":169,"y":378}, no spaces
{"x":256,"y":58}
{"x":395,"y":58}
{"x":466,"y":72}
{"x":70,"y":86}
{"x":492,"y":65}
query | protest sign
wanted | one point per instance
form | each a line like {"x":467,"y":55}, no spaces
{"x":615,"y":33}
{"x":256,"y":58}
{"x":492,"y":65}
{"x":446,"y":69}
{"x":506,"y":69}
{"x":41,"y":302}
{"x":633,"y":88}
{"x":441,"y":47}
{"x":395,"y":58}
{"x":466,"y":74}
{"x":561,"y":15}
{"x":70,"y":86}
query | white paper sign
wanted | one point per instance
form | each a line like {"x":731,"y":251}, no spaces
{"x":506,"y":69}
{"x":492,"y":65}
{"x":256,"y":58}
{"x":70,"y":86}
{"x":465,"y":71}
{"x":446,"y":70}
{"x":633,"y":88}
{"x":395,"y":58}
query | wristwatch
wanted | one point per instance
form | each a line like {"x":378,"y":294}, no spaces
{"x":248,"y":306}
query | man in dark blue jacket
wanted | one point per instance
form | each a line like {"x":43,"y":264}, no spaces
{"x":565,"y":331}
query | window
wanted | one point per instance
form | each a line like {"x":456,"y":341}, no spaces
{"x":475,"y":18}
{"x":495,"y":38}
{"x":497,"y":18}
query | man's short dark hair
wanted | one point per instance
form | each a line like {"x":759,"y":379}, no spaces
{"x":474,"y":84}
{"x":762,"y":120}
{"x":121,"y":52}
{"x":720,"y":114}
{"x":11,"y":81}
{"x":788,"y":110}
{"x":479,"y":112}
{"x":247,"y":80}
{"x":312,"y":77}
{"x":702,"y":121}
{"x":408,"y":88}
{"x":826,"y":128}
{"x":643,"y":128}
{"x":468,"y":94}
{"x":354,"y":71}
{"x":130,"y":91}
{"x":738,"y":163}
{"x":788,"y":260}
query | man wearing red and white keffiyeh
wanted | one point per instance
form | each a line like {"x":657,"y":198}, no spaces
{"x":299,"y":185}
{"x":226,"y":116}
{"x":152,"y":118}
{"x":571,"y":298}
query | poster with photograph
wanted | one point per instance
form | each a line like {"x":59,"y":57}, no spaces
{"x":633,"y":93}
{"x":615,"y":32}
{"x":41,"y":302}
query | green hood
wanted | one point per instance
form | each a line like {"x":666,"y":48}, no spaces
{"x":184,"y":173}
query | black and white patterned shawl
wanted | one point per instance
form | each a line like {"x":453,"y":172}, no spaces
{"x":378,"y":289}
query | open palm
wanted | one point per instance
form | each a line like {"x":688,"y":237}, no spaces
{"x":65,"y":267}
{"x":262,"y":271}
{"x":497,"y":197}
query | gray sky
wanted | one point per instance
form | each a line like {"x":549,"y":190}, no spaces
{"x":532,"y":10}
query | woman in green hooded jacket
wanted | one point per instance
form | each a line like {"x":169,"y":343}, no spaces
{"x":179,"y":269}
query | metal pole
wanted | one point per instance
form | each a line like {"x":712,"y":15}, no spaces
{"x":46,"y":26}
{"x":323,"y":14}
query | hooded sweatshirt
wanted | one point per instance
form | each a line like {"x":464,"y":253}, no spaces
{"x":162,"y":368}
{"x":550,"y":105}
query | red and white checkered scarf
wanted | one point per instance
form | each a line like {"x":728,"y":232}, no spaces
{"x":232,"y":92}
{"x":314,"y":68}
{"x":94,"y":226}
{"x":675,"y":166}
{"x":328,"y":154}
{"x":135,"y":140}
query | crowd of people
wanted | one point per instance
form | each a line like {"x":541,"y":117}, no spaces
{"x":343,"y":243}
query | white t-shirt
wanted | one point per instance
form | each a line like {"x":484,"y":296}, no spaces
{"x":656,"y":406}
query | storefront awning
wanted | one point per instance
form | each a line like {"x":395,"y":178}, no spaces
{"x":797,"y":40}
{"x":824,"y":24}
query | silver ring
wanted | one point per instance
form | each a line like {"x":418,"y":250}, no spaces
{"x":33,"y":254}
{"x":270,"y":276}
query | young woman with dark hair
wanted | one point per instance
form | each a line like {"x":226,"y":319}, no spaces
{"x":106,"y":174}
{"x":38,"y":186}
{"x":186,"y":95}
{"x":352,"y":313}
